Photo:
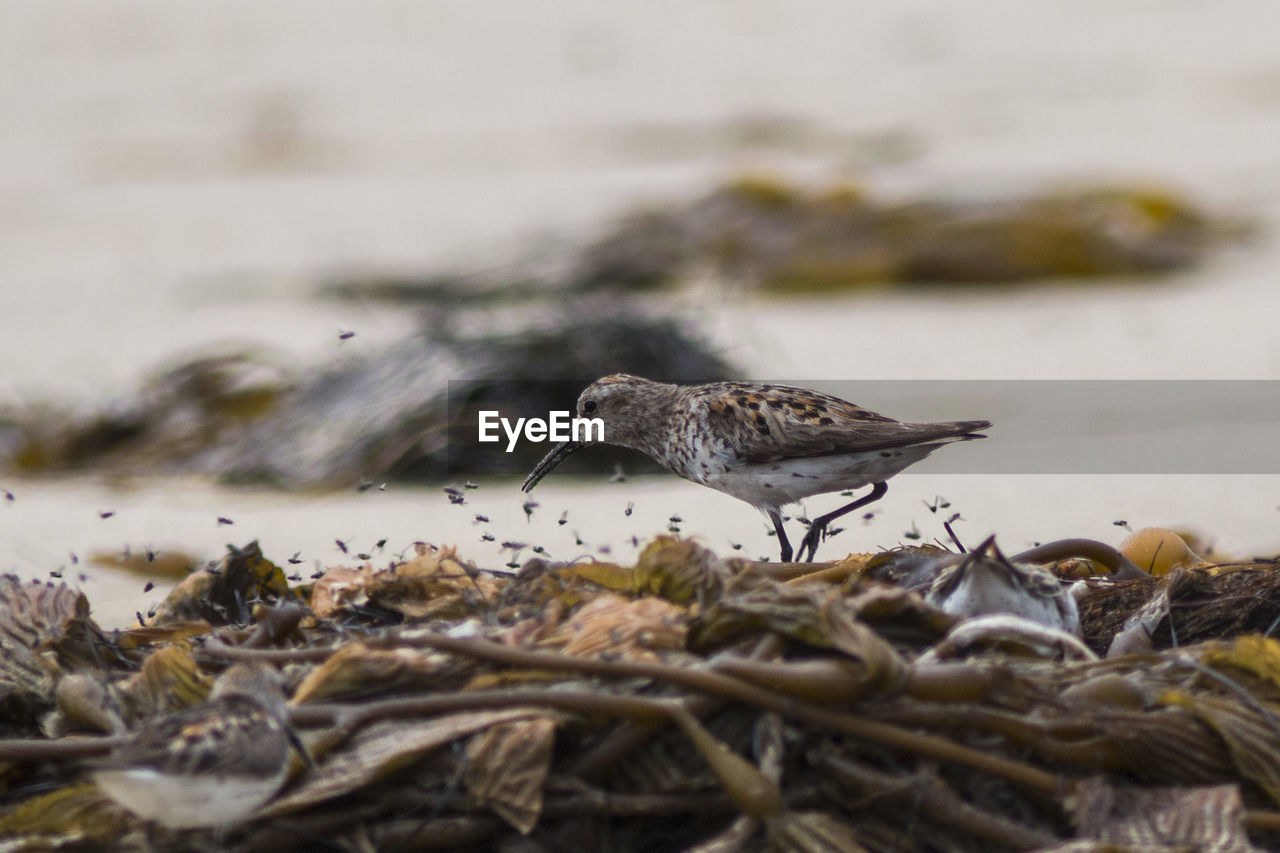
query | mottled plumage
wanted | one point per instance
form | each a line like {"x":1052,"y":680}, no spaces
{"x":984,"y":582}
{"x":769,"y":445}
{"x":208,"y":766}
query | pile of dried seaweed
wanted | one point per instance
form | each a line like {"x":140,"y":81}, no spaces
{"x":688,"y":702}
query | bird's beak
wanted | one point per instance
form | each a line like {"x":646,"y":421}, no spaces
{"x":551,"y":460}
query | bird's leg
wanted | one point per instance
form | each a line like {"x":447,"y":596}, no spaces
{"x":776,"y":517}
{"x":818,"y":530}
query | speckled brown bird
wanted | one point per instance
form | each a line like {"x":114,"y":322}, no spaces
{"x":769,"y":445}
{"x":208,"y":766}
{"x":984,"y":582}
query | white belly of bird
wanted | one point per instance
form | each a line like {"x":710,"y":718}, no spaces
{"x":187,"y":802}
{"x":980,"y":593}
{"x":775,"y":484}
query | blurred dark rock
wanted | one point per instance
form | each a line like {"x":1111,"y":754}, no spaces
{"x":407,"y":412}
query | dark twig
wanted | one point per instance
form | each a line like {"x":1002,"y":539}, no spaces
{"x":40,"y":749}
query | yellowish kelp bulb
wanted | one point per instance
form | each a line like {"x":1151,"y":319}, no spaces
{"x":1158,"y":550}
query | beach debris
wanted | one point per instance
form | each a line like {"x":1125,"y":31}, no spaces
{"x":690,"y":697}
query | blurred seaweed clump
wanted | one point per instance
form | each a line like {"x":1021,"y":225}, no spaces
{"x":406,"y":411}
{"x":782,"y":237}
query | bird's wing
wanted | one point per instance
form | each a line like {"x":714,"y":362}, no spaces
{"x":775,"y":423}
{"x":200,"y":739}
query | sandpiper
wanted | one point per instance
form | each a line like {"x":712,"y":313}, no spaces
{"x":769,"y":445}
{"x":984,"y":581}
{"x":207,"y":766}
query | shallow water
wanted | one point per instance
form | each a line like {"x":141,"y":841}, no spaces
{"x":176,"y":176}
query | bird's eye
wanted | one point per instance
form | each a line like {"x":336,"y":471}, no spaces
{"x":589,"y":406}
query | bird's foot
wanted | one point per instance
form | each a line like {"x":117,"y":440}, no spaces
{"x":817,"y":533}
